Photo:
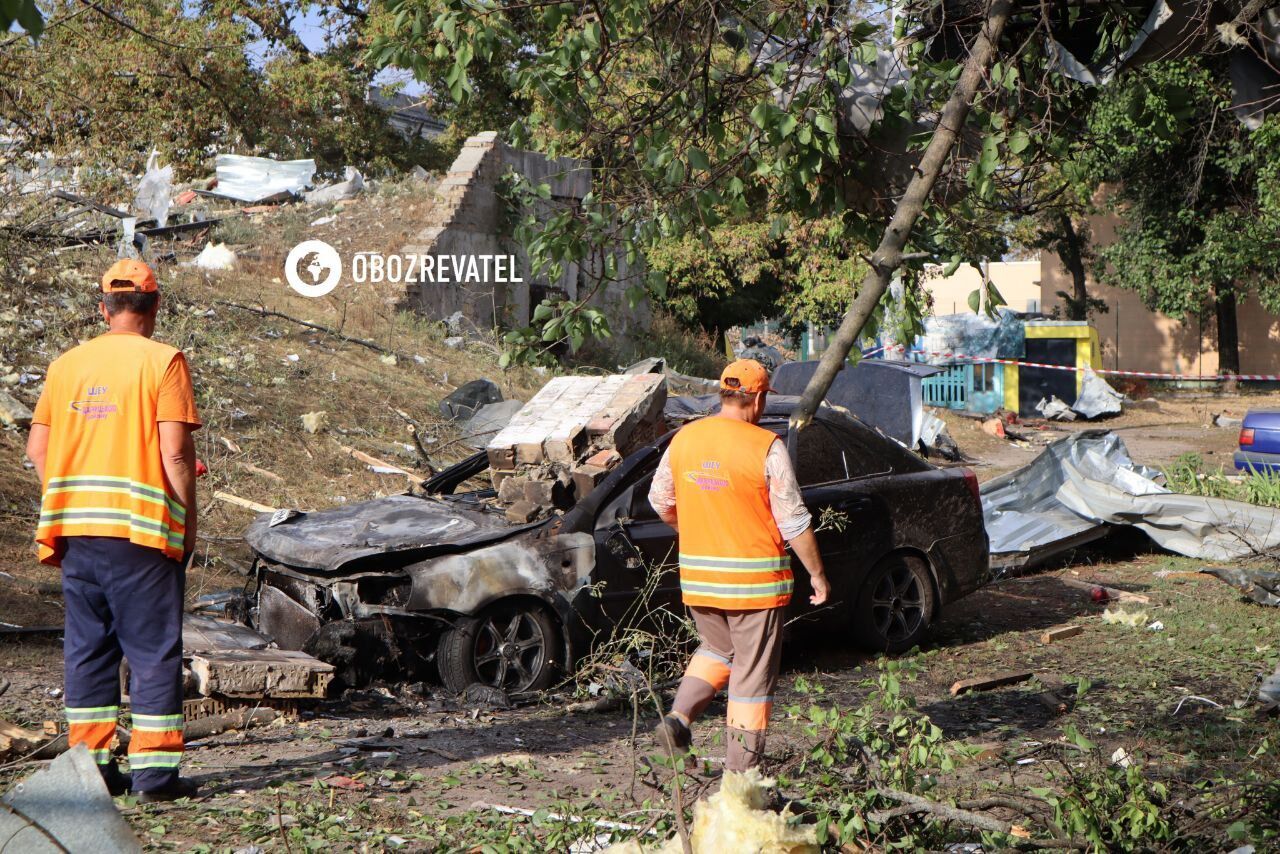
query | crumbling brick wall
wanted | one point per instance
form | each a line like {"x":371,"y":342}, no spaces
{"x":470,"y":218}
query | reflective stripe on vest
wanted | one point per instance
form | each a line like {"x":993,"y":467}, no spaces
{"x":732,"y":555}
{"x":101,"y":506}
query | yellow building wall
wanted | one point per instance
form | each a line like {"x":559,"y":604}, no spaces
{"x":1087,"y":356}
{"x":1017,"y":281}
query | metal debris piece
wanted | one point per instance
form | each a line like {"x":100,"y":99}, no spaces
{"x":1055,"y":410}
{"x":201,"y":633}
{"x":1085,"y":482}
{"x":1025,"y":521}
{"x":1260,"y":585}
{"x":1097,"y":397}
{"x":260,"y":180}
{"x":883,"y":393}
{"x":65,"y":807}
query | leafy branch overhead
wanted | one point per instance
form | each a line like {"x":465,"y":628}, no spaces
{"x":698,"y":115}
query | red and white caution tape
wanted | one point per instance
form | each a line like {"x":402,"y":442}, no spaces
{"x":961,"y":357}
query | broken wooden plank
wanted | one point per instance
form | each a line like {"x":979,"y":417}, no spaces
{"x":15,"y":740}
{"x":1112,"y":592}
{"x":252,"y":469}
{"x":243,"y":502}
{"x":369,"y":459}
{"x":1061,"y":634}
{"x":986,"y":683}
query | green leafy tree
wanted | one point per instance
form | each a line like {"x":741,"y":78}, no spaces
{"x":1195,"y":190}
{"x":108,"y":82}
{"x":736,"y":274}
{"x":694,"y":113}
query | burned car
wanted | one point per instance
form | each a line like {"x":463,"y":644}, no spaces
{"x":441,"y":580}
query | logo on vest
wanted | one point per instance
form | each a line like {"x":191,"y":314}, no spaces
{"x":95,"y":408}
{"x":709,"y":478}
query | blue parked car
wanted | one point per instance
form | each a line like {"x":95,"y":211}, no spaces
{"x":1260,"y":442}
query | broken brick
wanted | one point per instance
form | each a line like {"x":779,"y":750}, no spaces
{"x":587,"y":478}
{"x":522,"y":512}
{"x":512,"y":489}
{"x":606,"y":459}
{"x":539,"y":492}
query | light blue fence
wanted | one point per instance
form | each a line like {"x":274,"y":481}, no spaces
{"x":949,"y":389}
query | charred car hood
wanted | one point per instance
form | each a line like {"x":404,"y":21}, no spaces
{"x":331,"y":540}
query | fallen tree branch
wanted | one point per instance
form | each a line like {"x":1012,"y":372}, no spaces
{"x":916,"y":804}
{"x":888,"y":255}
{"x":327,"y":330}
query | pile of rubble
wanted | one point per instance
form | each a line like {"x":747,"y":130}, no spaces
{"x":565,"y":440}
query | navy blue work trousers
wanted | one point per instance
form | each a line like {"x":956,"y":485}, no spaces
{"x":123,"y":599}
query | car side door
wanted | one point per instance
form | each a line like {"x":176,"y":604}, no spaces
{"x":635,"y":553}
{"x":837,"y":476}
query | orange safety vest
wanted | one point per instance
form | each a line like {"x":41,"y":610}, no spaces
{"x":103,"y":473}
{"x":732,"y":555}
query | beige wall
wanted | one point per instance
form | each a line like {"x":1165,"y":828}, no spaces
{"x":1136,"y":339}
{"x":1017,"y":281}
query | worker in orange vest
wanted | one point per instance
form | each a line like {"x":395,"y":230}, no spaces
{"x":111,"y":442}
{"x":728,"y":487}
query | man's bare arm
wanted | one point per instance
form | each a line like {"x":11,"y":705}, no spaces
{"x":662,"y":491}
{"x":178,"y":454}
{"x":806,"y":548}
{"x":38,"y":447}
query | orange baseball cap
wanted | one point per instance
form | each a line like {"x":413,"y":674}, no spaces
{"x":129,"y":276}
{"x":745,"y":375}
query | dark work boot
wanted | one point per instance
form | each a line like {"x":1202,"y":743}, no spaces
{"x":118,"y":782}
{"x":181,"y":787}
{"x":673,"y":736}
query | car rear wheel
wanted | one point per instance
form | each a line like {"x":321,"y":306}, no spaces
{"x":512,"y":646}
{"x":895,"y":605}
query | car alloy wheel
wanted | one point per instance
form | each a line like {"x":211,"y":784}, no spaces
{"x":510,"y":649}
{"x":895,"y":605}
{"x":509,"y":646}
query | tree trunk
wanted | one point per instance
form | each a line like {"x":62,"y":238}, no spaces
{"x":888,"y":255}
{"x":1073,"y":260}
{"x":1224,"y":304}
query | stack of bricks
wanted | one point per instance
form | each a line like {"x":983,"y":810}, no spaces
{"x":566,"y":439}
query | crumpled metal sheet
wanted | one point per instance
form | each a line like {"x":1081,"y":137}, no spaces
{"x":65,"y":807}
{"x":1191,"y":525}
{"x":1025,"y":520}
{"x":1085,"y":482}
{"x":1097,"y":397}
{"x":256,"y":179}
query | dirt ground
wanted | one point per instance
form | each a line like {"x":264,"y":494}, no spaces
{"x":404,"y":766}
{"x":390,"y":768}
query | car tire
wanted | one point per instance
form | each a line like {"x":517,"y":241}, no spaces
{"x":513,"y":646}
{"x":895,"y":604}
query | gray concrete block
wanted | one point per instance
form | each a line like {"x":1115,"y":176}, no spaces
{"x":261,"y":673}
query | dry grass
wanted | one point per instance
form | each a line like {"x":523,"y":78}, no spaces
{"x":250,"y":389}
